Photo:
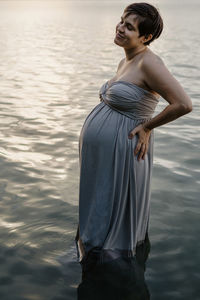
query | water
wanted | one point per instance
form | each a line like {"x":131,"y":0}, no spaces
{"x":54,"y":58}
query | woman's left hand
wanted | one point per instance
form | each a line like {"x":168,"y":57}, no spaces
{"x":143,"y":140}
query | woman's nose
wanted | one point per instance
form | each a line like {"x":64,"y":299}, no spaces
{"x":120,"y":27}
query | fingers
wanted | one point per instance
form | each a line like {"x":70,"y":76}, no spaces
{"x":143,"y":142}
{"x":131,"y":134}
{"x":134,"y":131}
{"x":137,"y":148}
{"x":142,"y":148}
{"x":145,"y":151}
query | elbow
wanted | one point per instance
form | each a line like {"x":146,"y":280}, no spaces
{"x":186,"y":108}
{"x":189,"y":108}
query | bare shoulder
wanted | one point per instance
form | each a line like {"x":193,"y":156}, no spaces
{"x":151,"y":59}
{"x":155,"y":73}
{"x":157,"y":76}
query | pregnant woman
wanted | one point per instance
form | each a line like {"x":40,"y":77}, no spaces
{"x":117,"y":138}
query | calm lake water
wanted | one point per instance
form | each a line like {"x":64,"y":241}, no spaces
{"x":54,"y":59}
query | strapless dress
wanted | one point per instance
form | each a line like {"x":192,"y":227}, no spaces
{"x":114,"y":187}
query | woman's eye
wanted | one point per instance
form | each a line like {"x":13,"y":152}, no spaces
{"x":129,"y":27}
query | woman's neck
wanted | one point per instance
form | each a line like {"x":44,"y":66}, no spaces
{"x":131,"y":53}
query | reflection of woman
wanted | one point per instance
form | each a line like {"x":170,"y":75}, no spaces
{"x":114,"y":194}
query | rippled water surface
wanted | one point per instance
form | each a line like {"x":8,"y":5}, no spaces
{"x":54,"y":59}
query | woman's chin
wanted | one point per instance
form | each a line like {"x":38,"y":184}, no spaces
{"x":117,"y":42}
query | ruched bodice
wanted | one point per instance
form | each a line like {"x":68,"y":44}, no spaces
{"x":129,"y":99}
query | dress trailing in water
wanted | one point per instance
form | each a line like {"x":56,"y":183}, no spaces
{"x":114,"y":187}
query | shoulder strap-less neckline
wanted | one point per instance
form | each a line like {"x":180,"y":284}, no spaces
{"x":131,"y":84}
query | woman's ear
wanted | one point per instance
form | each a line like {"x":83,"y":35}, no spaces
{"x":147,"y":38}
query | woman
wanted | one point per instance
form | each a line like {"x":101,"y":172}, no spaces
{"x":116,"y":141}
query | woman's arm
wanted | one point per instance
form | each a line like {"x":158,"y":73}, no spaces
{"x":159,"y":79}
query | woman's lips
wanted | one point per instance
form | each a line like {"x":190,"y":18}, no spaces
{"x":119,"y":36}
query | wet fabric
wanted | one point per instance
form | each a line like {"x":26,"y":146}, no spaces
{"x":122,"y":278}
{"x":114,"y":187}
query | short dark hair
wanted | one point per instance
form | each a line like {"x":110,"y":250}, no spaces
{"x":149,"y":19}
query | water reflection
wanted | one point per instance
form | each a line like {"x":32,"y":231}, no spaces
{"x":120,"y":278}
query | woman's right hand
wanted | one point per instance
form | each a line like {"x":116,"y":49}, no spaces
{"x":143,"y":140}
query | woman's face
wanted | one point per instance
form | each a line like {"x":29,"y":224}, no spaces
{"x":127,"y":32}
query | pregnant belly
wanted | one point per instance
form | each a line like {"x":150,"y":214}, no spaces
{"x":100,"y":127}
{"x":104,"y":141}
{"x":106,"y":130}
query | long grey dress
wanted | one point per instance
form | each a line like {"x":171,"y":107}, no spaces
{"x":114,"y":187}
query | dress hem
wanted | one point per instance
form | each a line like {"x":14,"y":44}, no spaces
{"x":106,"y":255}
